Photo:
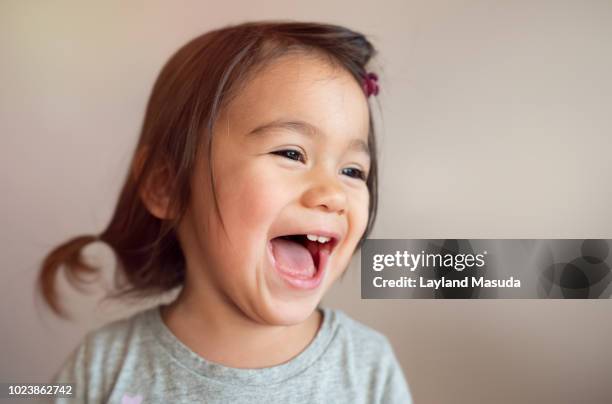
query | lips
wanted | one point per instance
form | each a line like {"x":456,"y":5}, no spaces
{"x":301,"y":262}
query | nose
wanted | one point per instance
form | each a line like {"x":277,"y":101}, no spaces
{"x":326,"y":192}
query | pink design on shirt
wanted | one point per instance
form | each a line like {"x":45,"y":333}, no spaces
{"x":127,"y":399}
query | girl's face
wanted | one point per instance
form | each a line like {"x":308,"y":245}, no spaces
{"x":288,"y":153}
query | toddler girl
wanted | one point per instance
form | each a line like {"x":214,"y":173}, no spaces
{"x":252,"y":185}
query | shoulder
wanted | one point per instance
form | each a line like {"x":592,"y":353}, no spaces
{"x":95,"y":362}
{"x":370,"y":355}
{"x":363,"y":337}
{"x":109,"y":342}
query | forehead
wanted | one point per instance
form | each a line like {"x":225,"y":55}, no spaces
{"x":301,"y":88}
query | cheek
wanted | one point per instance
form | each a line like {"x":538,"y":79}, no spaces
{"x":250,"y":200}
{"x":360,"y":213}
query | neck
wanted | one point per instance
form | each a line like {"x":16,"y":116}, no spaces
{"x":216,"y":329}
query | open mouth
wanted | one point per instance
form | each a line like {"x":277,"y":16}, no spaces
{"x":300,"y":255}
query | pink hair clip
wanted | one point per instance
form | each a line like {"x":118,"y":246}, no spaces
{"x":370,"y":84}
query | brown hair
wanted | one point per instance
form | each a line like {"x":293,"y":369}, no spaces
{"x":193,"y":86}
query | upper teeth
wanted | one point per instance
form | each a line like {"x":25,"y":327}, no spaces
{"x":320,"y":239}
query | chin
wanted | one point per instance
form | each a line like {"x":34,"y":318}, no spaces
{"x":291,"y":313}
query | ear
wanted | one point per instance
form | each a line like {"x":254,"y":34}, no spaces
{"x":154,"y":192}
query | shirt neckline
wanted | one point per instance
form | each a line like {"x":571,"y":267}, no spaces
{"x":240,"y":376}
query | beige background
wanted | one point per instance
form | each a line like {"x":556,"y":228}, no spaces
{"x":496,"y":120}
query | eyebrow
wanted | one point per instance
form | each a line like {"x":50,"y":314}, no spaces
{"x":307,"y":129}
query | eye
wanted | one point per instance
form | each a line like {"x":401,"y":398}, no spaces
{"x":291,"y":154}
{"x":354,"y":173}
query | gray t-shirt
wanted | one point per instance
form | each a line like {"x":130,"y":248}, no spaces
{"x":138,"y":360}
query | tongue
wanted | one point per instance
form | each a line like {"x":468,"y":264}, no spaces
{"x":292,"y":257}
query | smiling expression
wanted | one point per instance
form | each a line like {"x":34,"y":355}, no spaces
{"x":289,"y":156}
